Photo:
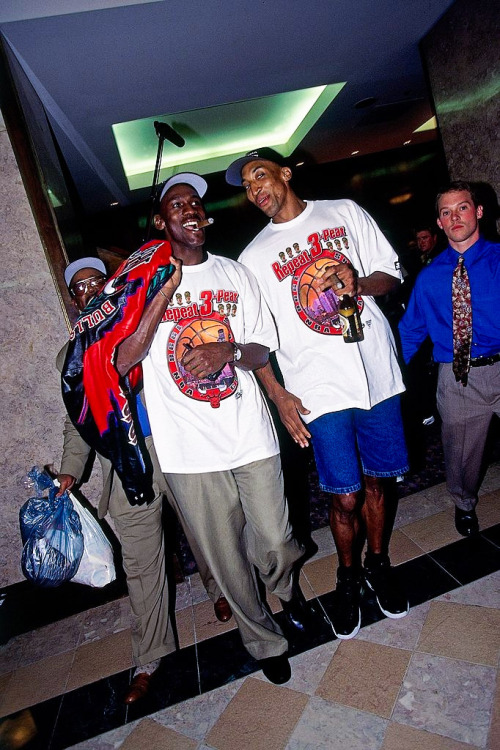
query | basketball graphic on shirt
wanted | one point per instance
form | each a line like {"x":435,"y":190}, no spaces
{"x":318,"y":309}
{"x":189,"y":334}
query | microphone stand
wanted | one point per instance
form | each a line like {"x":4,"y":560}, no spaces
{"x":164,"y":132}
{"x":156,"y":174}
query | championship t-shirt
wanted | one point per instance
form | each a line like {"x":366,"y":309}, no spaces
{"x":220,"y":422}
{"x":326,"y":373}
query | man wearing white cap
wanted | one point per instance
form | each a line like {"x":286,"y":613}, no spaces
{"x":214,"y":438}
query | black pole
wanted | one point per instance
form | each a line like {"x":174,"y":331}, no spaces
{"x":164,"y":132}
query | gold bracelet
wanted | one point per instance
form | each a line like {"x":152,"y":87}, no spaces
{"x":164,"y":295}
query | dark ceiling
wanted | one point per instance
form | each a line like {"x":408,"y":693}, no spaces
{"x":120,"y":61}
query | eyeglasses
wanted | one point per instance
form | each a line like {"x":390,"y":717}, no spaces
{"x":93,"y":283}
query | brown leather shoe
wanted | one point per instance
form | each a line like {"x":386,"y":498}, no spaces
{"x":138,"y":688}
{"x":222,"y":609}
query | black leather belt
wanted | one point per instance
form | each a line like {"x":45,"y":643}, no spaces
{"x":482,"y":361}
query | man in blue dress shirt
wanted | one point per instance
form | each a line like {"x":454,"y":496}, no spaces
{"x":466,"y":402}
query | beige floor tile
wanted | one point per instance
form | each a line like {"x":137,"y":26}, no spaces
{"x":99,"y":659}
{"x":322,"y":574}
{"x":433,"y":532}
{"x":56,"y":638}
{"x":36,"y":682}
{"x":402,"y":737}
{"x":366,"y":676}
{"x":462,"y":631}
{"x":402,"y":548}
{"x":261,"y":715}
{"x":150,"y":734}
{"x":184,"y":619}
{"x":488,"y":509}
{"x":206,"y":624}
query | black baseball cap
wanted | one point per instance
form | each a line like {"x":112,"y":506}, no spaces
{"x":233,"y":172}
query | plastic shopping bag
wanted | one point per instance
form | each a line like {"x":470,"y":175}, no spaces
{"x":52,"y":536}
{"x":97,"y":567}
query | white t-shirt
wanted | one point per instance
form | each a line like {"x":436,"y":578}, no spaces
{"x":326,"y":373}
{"x":219,"y":424}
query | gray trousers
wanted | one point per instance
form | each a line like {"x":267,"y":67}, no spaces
{"x":140,"y":531}
{"x":466,"y":414}
{"x":239,"y":519}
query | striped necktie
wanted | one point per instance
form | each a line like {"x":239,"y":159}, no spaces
{"x":462,"y":321}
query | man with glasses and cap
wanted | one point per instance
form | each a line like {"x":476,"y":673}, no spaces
{"x":343,"y":396}
{"x":139,"y":527}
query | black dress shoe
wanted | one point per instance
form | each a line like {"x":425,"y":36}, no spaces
{"x":466,"y":522}
{"x":296,"y":610}
{"x":276,"y":669}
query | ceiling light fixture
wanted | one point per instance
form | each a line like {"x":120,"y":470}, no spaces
{"x":215,"y":136}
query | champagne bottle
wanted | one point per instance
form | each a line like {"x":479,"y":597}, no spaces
{"x":352,"y":330}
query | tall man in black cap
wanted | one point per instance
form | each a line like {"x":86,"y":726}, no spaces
{"x":347,"y":394}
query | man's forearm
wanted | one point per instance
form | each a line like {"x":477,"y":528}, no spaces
{"x":377,"y":284}
{"x":134,"y":348}
{"x":269,"y":382}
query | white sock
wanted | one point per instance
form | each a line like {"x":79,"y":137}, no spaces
{"x":147,"y":668}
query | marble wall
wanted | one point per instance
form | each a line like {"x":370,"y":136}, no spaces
{"x":32,"y":331}
{"x":463,"y":61}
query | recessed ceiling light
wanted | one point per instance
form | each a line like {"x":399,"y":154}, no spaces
{"x":114,"y":203}
{"x":215,"y":136}
{"x":353,"y":153}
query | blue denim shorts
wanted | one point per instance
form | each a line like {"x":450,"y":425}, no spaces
{"x":353,"y":442}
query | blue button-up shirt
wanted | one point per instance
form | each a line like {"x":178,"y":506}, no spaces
{"x":429,"y":311}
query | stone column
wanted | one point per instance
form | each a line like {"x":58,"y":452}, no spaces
{"x":33,"y":329}
{"x":462,"y":57}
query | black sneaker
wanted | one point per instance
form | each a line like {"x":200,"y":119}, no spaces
{"x":346,"y":617}
{"x":381,"y":579}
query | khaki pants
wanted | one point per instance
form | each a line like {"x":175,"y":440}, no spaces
{"x":140,"y":531}
{"x":239,"y":519}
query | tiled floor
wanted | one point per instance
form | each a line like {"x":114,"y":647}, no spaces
{"x":428,"y":681}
